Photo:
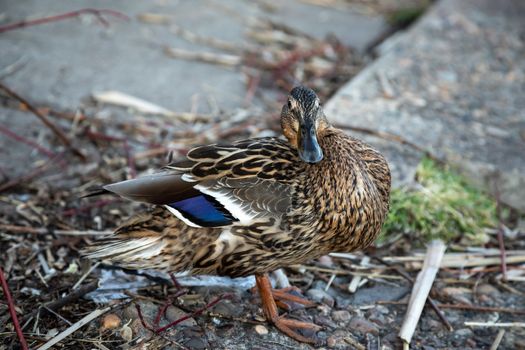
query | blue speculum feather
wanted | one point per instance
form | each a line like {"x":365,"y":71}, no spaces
{"x":203,"y":210}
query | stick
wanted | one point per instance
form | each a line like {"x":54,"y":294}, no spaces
{"x":41,"y":149}
{"x":74,"y":295}
{"x":84,"y":276}
{"x":483,"y":308}
{"x":463,"y":307}
{"x":12,"y":311}
{"x":497,"y":340}
{"x":431,"y":301}
{"x":208,"y":41}
{"x":70,"y":330}
{"x":207,"y":57}
{"x":34,"y":22}
{"x":45,"y":231}
{"x":356,"y":280}
{"x":422,"y":286}
{"x":494,"y":324}
{"x":57,"y":131}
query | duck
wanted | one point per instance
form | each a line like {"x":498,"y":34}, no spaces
{"x":253,"y":206}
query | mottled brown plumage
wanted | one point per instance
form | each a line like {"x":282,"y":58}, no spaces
{"x":259,"y":204}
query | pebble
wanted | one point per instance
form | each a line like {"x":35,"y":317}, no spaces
{"x":488,"y":289}
{"x":126,"y":333}
{"x":110,"y":321}
{"x":363,"y":326}
{"x":260,"y":329}
{"x":324,"y":321}
{"x":464,"y":332}
{"x":227,"y":308}
{"x":324,"y":309}
{"x":341,"y":315}
{"x":331,"y":342}
{"x":320,"y":296}
{"x":196,"y":343}
{"x":174,"y":313}
{"x":458,"y":294}
{"x":337,"y":339}
{"x":428,"y":324}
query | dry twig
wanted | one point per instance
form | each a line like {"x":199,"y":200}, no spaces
{"x":96,"y":12}
{"x":497,"y":340}
{"x":57,"y":304}
{"x":56,"y":130}
{"x":497,"y":325}
{"x":422,"y":286}
{"x":430,"y":300}
{"x":75,"y":326}
{"x":207,"y":57}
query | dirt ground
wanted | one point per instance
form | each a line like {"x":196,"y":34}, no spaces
{"x":44,"y":223}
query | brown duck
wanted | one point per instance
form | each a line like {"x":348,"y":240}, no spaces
{"x":257,"y":205}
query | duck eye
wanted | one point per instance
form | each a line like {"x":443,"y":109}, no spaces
{"x":289,"y":104}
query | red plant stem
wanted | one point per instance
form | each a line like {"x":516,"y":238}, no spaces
{"x":56,"y":130}
{"x":19,"y":138}
{"x":167,"y":303}
{"x":12,"y":311}
{"x":97,"y":13}
{"x":183,"y":318}
{"x":194,"y":313}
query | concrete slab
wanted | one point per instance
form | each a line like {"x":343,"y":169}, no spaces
{"x":64,"y":62}
{"x":453,"y":84}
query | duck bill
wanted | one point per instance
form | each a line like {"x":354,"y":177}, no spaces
{"x":309,"y":149}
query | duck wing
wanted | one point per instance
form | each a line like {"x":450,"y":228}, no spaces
{"x":217,"y":185}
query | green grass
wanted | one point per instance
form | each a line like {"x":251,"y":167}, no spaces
{"x":405,"y":16}
{"x":443,"y":206}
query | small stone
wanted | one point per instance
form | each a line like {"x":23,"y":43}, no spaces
{"x":51,"y":333}
{"x":320,"y":296}
{"x":126,"y":333}
{"x":487,"y":289}
{"x":260,"y":329}
{"x":331,"y":342}
{"x":458,"y":294}
{"x":227,"y":308}
{"x":324,"y":309}
{"x":324,"y":321}
{"x":196,"y":343}
{"x":110,"y":321}
{"x":326,"y":260}
{"x":338,"y":339}
{"x":174,"y":313}
{"x":341,"y":315}
{"x":464,"y":332}
{"x":363,"y":326}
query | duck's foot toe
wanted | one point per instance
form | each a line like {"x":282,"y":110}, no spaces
{"x":290,"y":298}
{"x":289,"y":327}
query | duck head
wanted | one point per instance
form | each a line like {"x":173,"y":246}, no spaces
{"x":302,"y":121}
